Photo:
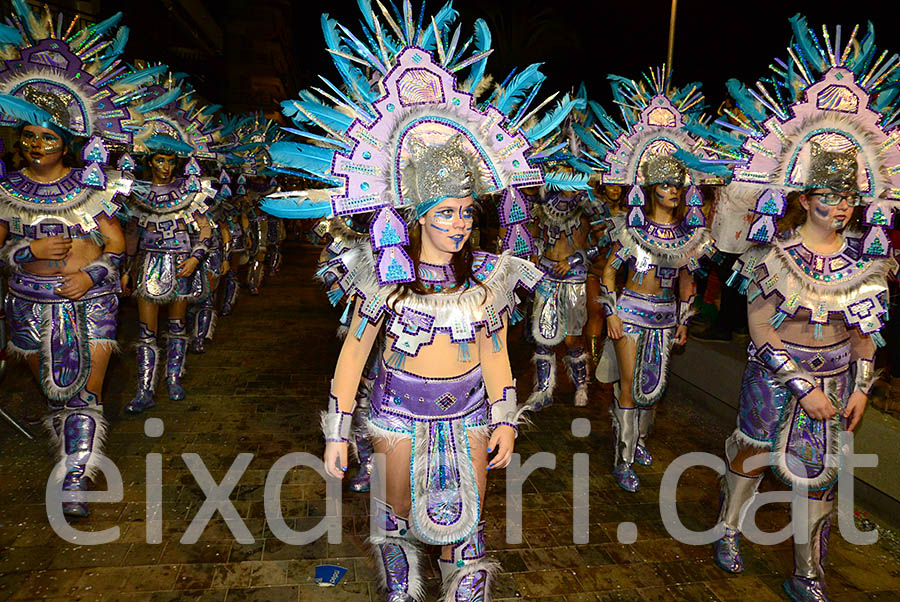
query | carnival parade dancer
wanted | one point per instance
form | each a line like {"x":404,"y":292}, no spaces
{"x":444,"y":397}
{"x":257,"y":233}
{"x":165,"y":210}
{"x":63,"y":244}
{"x":233,"y":250}
{"x":202,"y":313}
{"x":563,"y":214}
{"x":610,"y":197}
{"x":661,"y":241}
{"x":817,"y":159}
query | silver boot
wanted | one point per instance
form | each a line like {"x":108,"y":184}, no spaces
{"x":468,"y":574}
{"x":807,"y":584}
{"x":625,"y":437}
{"x":646,"y":420}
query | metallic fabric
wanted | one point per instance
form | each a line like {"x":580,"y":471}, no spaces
{"x":254,"y":276}
{"x":727,"y":552}
{"x":646,"y":420}
{"x":58,"y":329}
{"x":147,"y":362}
{"x":663,"y":169}
{"x":230,"y":295}
{"x":464,"y":585}
{"x":396,"y":554}
{"x":435,"y":172}
{"x":650,"y":320}
{"x":769,"y":414}
{"x":801,"y":589}
{"x":625,"y":436}
{"x":576,"y":360}
{"x":560,"y":310}
{"x":830,"y":169}
{"x":544,"y":378}
{"x":203,"y":322}
{"x":175,"y":359}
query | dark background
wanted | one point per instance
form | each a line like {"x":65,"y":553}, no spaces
{"x":249,"y":55}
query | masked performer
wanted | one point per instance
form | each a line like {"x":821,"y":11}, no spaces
{"x":661,"y":242}
{"x":444,"y":397}
{"x":166,"y":209}
{"x":62,"y":242}
{"x":819,"y":158}
{"x":563,"y":213}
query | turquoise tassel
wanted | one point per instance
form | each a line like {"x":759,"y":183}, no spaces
{"x":742,"y":288}
{"x":464,"y":355}
{"x":345,"y":317}
{"x":879,"y":340}
{"x":752,"y":296}
{"x":609,"y":251}
{"x":397,"y":360}
{"x":617,"y":263}
{"x":362,"y":327}
{"x":334,"y":295}
{"x":516,"y":316}
{"x":497,"y":344}
{"x":817,"y":332}
{"x":638,"y":277}
{"x":777,"y":318}
{"x":732,"y":279}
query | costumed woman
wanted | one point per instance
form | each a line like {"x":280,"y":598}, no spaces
{"x":164,"y":261}
{"x":444,"y":399}
{"x":661,"y":242}
{"x":563,"y":211}
{"x":818,"y":159}
{"x":61,"y":239}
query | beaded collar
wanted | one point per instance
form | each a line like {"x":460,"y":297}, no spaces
{"x":164,"y":198}
{"x":67,"y":206}
{"x":826,"y":269}
{"x":436,"y":277}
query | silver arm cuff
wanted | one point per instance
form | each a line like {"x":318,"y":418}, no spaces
{"x":608,"y":300}
{"x":335,"y":423}
{"x":786,"y":370}
{"x":865,"y":375}
{"x":686,"y":311}
{"x":506,"y":410}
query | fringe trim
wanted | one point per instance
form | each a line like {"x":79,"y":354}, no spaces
{"x":451,"y":584}
{"x":55,"y":422}
{"x":541,"y":397}
{"x":637,"y":395}
{"x":780,"y":466}
{"x":413,"y":559}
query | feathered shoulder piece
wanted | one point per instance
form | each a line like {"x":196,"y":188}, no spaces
{"x":170,"y":206}
{"x":414,"y":320}
{"x":846,"y":285}
{"x":667,"y":248}
{"x":66,"y":207}
{"x":824,"y":118}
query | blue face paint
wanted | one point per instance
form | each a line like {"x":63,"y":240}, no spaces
{"x":821,"y":211}
{"x":441,"y":229}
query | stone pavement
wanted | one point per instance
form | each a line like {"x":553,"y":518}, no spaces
{"x":259,"y":389}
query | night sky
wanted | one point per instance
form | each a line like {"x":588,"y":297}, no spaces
{"x":584,"y":41}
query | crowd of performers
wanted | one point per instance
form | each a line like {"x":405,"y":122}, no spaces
{"x":79,"y":236}
{"x":607,"y":219}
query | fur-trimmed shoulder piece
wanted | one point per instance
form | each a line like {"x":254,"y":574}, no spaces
{"x":414,"y":320}
{"x":666,"y":247}
{"x":25,"y":204}
{"x":845,"y":283}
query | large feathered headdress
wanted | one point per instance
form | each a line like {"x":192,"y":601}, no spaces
{"x":401,"y":90}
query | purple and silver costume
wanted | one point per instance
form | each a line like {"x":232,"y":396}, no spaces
{"x":46,"y":83}
{"x":171,"y":210}
{"x":814,"y":318}
{"x":650,"y":151}
{"x":560,"y":303}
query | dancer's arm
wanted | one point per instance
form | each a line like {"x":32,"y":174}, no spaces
{"x":608,"y":299}
{"x":342,"y":399}
{"x":862,"y":358}
{"x":686,"y":296}
{"x":501,"y":392}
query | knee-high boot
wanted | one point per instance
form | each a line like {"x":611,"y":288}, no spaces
{"x":577,"y":362}
{"x":147,"y":365}
{"x":364,"y":449}
{"x":544,"y":378}
{"x":625,"y":436}
{"x":77,"y":430}
{"x":646,"y":420}
{"x":397,"y":556}
{"x":468,"y":574}
{"x":807,"y":584}
{"x":738,"y":490}
{"x":231,"y":293}
{"x":175,"y":360}
{"x":204,"y":325}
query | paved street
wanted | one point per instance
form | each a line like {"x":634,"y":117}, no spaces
{"x":259,"y":389}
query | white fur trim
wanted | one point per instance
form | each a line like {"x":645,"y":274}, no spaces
{"x":413,"y":557}
{"x":452,"y":580}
